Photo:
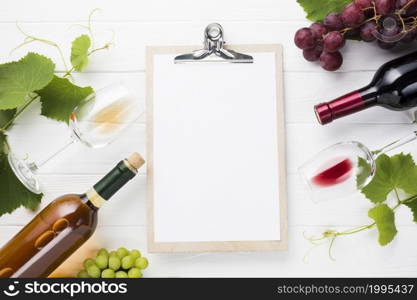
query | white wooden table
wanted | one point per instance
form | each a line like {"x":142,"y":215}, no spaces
{"x":158,"y":22}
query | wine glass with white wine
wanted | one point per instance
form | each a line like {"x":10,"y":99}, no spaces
{"x":96,"y":122}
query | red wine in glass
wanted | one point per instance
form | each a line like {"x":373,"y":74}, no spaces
{"x":335,"y":174}
{"x":343,"y":168}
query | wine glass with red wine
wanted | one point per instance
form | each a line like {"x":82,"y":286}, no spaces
{"x":343,"y":168}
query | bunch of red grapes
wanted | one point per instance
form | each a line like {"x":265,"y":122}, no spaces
{"x":386,"y":21}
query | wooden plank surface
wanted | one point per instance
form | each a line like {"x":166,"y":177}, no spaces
{"x":180,"y":22}
{"x":154,"y":11}
{"x":130,"y":39}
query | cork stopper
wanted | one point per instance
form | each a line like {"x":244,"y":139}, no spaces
{"x":136,"y":160}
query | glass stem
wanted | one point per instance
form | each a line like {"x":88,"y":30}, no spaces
{"x":34,"y":166}
{"x":398,"y":143}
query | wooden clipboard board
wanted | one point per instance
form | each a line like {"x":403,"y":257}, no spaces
{"x":168,"y":234}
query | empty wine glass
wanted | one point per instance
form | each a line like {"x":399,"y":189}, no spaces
{"x":96,"y":122}
{"x":343,"y":168}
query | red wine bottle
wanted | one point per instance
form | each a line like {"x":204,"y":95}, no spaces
{"x":394,"y":87}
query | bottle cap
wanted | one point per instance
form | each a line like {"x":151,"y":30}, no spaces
{"x":136,"y":160}
{"x":323,"y":113}
{"x":340,"y":107}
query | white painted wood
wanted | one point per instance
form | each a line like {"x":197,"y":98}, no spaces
{"x":24,"y":140}
{"x":156,"y":10}
{"x":130,"y":39}
{"x":122,"y":221}
{"x":354,"y":256}
{"x":298,"y":105}
{"x":128,"y":206}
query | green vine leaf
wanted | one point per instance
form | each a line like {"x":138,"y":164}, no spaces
{"x":364,"y":169}
{"x":13,"y":194}
{"x":395,"y":172}
{"x":19,"y":78}
{"x":384,"y":218}
{"x":6,"y":116}
{"x":79,"y":52}
{"x":2,"y":143}
{"x":317,"y":9}
{"x":413,"y":207}
{"x":60,"y":97}
{"x":21,"y":82}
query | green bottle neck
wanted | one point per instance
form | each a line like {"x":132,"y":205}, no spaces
{"x":111,"y":183}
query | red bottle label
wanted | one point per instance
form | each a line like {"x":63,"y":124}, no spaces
{"x":340,"y":107}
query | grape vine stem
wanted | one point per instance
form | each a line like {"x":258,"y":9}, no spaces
{"x":331,"y":235}
{"x":68,"y":72}
{"x":106,"y":46}
{"x":405,"y":6}
{"x":30,"y":39}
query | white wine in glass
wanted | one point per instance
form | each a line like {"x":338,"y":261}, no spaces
{"x":96,"y":122}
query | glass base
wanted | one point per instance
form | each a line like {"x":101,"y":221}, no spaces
{"x":25,"y":172}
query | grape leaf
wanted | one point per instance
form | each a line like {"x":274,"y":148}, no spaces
{"x":2,"y":143}
{"x":318,"y":9}
{"x":79,"y":52}
{"x":395,"y":172}
{"x":60,"y":97}
{"x":413,"y":206}
{"x":6,"y":116}
{"x":19,"y":78}
{"x":384,"y":218}
{"x":13,"y":193}
{"x":364,"y":169}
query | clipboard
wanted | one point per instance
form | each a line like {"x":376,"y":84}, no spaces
{"x":216,"y":173}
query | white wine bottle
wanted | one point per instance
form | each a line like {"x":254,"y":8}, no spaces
{"x":62,"y":227}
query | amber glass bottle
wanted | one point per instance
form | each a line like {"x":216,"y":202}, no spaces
{"x":62,"y":227}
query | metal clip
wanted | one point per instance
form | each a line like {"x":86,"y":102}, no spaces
{"x":214,"y":50}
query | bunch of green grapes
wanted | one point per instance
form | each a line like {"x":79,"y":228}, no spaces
{"x":115,"y":264}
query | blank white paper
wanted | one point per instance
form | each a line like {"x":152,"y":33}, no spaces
{"x":215,"y":151}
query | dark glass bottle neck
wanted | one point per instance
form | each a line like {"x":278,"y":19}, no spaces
{"x":114,"y":180}
{"x":346,"y":104}
{"x":369,"y":95}
{"x":104,"y":189}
